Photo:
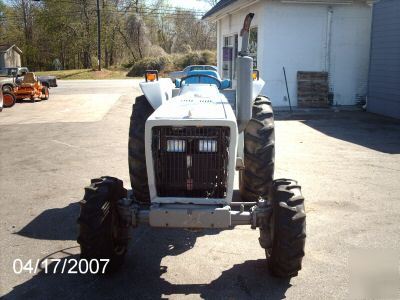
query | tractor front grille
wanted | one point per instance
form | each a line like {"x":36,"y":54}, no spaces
{"x":190,"y":161}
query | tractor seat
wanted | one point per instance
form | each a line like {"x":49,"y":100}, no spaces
{"x":29,"y":80}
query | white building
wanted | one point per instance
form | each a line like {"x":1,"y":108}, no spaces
{"x":302,"y":35}
{"x":10,"y":56}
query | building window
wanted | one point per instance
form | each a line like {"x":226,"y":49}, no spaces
{"x":229,"y":53}
{"x":228,"y":41}
{"x":253,"y":42}
{"x":227,"y":57}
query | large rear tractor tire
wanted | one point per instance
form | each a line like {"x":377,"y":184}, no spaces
{"x":136,"y":149}
{"x":288,"y":229}
{"x":101,"y":233}
{"x":259,"y":152}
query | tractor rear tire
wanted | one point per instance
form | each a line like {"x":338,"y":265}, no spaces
{"x":9,"y":99}
{"x":259,"y":152}
{"x":101,"y":233}
{"x":288,"y":229}
{"x":141,"y":111}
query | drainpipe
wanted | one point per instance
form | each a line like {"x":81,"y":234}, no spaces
{"x":219,"y":47}
{"x":328,"y":51}
{"x":328,"y":40}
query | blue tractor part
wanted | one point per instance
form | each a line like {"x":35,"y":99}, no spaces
{"x":204,"y":77}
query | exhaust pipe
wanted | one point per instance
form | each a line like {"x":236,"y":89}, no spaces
{"x":244,"y":87}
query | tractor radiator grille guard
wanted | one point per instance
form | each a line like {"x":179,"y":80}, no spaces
{"x":191,"y":161}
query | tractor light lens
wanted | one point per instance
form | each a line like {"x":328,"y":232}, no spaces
{"x":151,"y":77}
{"x":256,"y":75}
{"x":207,"y":146}
{"x":176,"y":145}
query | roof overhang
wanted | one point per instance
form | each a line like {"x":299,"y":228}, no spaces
{"x":15,"y":48}
{"x":331,"y":2}
{"x":228,"y":7}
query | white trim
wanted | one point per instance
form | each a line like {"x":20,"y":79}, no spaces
{"x":330,"y":2}
{"x":230,"y":9}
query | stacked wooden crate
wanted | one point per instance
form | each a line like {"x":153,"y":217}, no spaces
{"x":312,"y":89}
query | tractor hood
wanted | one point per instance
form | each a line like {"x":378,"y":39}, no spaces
{"x":194,"y":102}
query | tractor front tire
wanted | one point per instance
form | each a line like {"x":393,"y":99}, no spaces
{"x":9,"y":99}
{"x":101,"y":233}
{"x":259,"y":152}
{"x":288,"y":229}
{"x":141,"y":111}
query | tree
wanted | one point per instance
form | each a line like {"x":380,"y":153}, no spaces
{"x":131,"y":30}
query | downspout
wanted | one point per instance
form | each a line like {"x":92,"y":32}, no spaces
{"x":219,"y":47}
{"x":328,"y":48}
{"x":365,"y":107}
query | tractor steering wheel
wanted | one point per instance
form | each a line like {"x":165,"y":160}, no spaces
{"x":201,"y":75}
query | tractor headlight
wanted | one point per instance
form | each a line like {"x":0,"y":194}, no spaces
{"x":207,"y":146}
{"x":176,"y":145}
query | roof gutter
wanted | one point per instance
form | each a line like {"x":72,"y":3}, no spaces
{"x":329,"y":2}
{"x":230,"y":10}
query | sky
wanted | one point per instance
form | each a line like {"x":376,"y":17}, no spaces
{"x":191,"y":4}
{"x":201,"y":5}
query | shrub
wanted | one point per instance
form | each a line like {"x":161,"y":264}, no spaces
{"x":128,"y":65}
{"x":204,"y":57}
{"x":94,"y":63}
{"x":172,"y":62}
{"x":209,"y":57}
{"x":156,"y":51}
{"x":148,"y":63}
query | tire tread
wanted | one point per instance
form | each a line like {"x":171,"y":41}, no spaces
{"x":141,"y":110}
{"x":289,"y":230}
{"x":259,"y":152}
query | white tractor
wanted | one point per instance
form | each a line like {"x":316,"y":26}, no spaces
{"x":185,"y":145}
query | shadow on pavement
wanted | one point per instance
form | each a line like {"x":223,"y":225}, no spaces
{"x":141,"y":277}
{"x":365,"y":129}
{"x":54,"y":224}
{"x":60,"y":223}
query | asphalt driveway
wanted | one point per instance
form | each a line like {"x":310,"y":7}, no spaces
{"x":347,"y":162}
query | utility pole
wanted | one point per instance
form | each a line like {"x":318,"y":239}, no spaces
{"x":98,"y":36}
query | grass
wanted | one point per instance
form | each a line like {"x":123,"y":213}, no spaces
{"x":86,"y":74}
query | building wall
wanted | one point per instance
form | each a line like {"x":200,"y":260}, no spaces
{"x":297,"y":36}
{"x":10,"y":59}
{"x":384,"y":76}
{"x":232,"y":24}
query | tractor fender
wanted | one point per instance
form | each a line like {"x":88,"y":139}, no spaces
{"x":157,"y":92}
{"x":257,"y":88}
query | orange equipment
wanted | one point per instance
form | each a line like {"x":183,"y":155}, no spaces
{"x":8,"y":99}
{"x":31,"y":88}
